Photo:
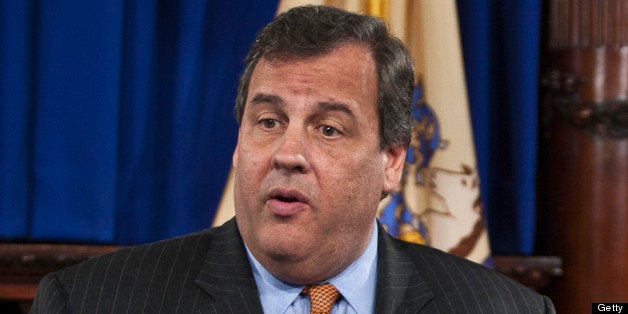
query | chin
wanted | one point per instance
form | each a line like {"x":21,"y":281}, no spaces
{"x":284,"y":249}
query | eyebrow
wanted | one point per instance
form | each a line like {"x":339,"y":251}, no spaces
{"x":266,"y":98}
{"x":325,"y":106}
{"x":322,"y":106}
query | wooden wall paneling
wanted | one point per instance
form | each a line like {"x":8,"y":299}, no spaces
{"x":583,"y":159}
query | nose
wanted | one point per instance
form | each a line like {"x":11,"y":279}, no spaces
{"x":291,"y":153}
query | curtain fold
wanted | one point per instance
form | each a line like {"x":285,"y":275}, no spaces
{"x":17,"y":23}
{"x":117,"y":120}
{"x":501,"y":44}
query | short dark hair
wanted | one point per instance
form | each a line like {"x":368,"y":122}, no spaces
{"x":309,"y":31}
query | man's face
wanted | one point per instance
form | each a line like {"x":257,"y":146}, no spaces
{"x":309,"y":167}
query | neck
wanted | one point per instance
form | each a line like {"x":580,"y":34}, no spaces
{"x":316,"y":267}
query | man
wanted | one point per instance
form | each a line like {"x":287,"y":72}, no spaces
{"x":324,"y":113}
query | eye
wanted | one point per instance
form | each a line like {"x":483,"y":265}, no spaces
{"x":268,"y":123}
{"x":328,"y":131}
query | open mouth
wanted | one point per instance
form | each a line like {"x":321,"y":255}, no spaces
{"x":285,"y":202}
{"x":287,"y":199}
{"x":285,"y":195}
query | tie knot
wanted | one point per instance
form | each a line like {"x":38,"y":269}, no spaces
{"x":322,"y":297}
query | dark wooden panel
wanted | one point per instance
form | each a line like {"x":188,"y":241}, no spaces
{"x":583,"y":160}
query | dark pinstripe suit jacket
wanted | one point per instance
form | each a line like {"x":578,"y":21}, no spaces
{"x":209,"y":272}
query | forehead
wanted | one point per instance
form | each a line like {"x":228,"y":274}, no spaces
{"x":347,"y":74}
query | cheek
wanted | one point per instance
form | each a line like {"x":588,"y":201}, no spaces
{"x":358,"y":179}
{"x":250,"y":157}
{"x":352,"y":196}
{"x":250,"y":169}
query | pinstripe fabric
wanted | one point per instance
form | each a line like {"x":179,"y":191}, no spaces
{"x":204,"y":272}
{"x":418,"y":279}
{"x":209,"y":272}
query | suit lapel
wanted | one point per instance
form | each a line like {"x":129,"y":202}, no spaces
{"x":226,"y":273}
{"x":400,"y":288}
{"x":227,"y":278}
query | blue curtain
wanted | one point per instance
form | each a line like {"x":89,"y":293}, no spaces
{"x":116,"y":120}
{"x":116,"y":123}
{"x":501,"y":52}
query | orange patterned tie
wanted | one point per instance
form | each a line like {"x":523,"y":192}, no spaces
{"x":322,"y":297}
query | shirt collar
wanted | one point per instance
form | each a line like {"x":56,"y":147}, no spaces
{"x":273,"y":293}
{"x":356,"y":283}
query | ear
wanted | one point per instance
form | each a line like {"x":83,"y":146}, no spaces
{"x":394,"y":161}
